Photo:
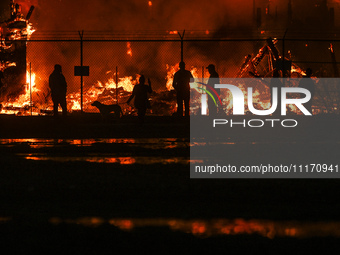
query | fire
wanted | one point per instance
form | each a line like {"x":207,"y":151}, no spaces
{"x":150,"y":3}
{"x":105,"y":91}
{"x":297,"y":70}
{"x":21,"y":33}
{"x":129,"y":50}
{"x":171,"y":70}
{"x":24,"y":100}
{"x":127,"y":83}
{"x":29,"y":30}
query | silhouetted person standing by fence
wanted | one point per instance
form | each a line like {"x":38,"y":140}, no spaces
{"x":140,"y":92}
{"x":58,"y":87}
{"x":181,"y":85}
{"x":213,"y":79}
{"x":307,"y":83}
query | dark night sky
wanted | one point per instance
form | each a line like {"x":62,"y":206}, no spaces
{"x":105,"y":15}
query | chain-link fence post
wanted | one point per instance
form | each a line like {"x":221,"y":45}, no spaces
{"x":81,"y":34}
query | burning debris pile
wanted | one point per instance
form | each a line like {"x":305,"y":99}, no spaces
{"x":163,"y":102}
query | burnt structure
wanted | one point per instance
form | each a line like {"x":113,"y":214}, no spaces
{"x":14,"y":33}
{"x":274,"y":61}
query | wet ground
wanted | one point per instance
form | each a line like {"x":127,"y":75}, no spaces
{"x":122,"y":188}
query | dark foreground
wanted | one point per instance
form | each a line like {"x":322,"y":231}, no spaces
{"x":43,"y":198}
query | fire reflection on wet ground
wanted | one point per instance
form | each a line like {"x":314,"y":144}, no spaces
{"x":110,"y":159}
{"x":214,"y":227}
{"x":124,"y":151}
{"x":154,"y":143}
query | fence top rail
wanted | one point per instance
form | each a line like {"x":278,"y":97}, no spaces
{"x":240,"y":34}
{"x":143,"y":40}
{"x":174,"y":40}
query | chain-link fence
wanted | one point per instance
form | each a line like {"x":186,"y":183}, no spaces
{"x":158,"y":60}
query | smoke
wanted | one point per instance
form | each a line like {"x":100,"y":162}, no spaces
{"x":104,"y":15}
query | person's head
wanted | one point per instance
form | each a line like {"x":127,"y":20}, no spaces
{"x":211,"y":68}
{"x":181,"y":65}
{"x":57,"y":68}
{"x":309,"y":72}
{"x":141,"y":79}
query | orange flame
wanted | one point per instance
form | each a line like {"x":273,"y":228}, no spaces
{"x":24,"y":100}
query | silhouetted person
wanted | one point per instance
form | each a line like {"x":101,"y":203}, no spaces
{"x":213,"y":79}
{"x":307,"y":83}
{"x":181,"y":85}
{"x":58,"y":87}
{"x":140,"y":92}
